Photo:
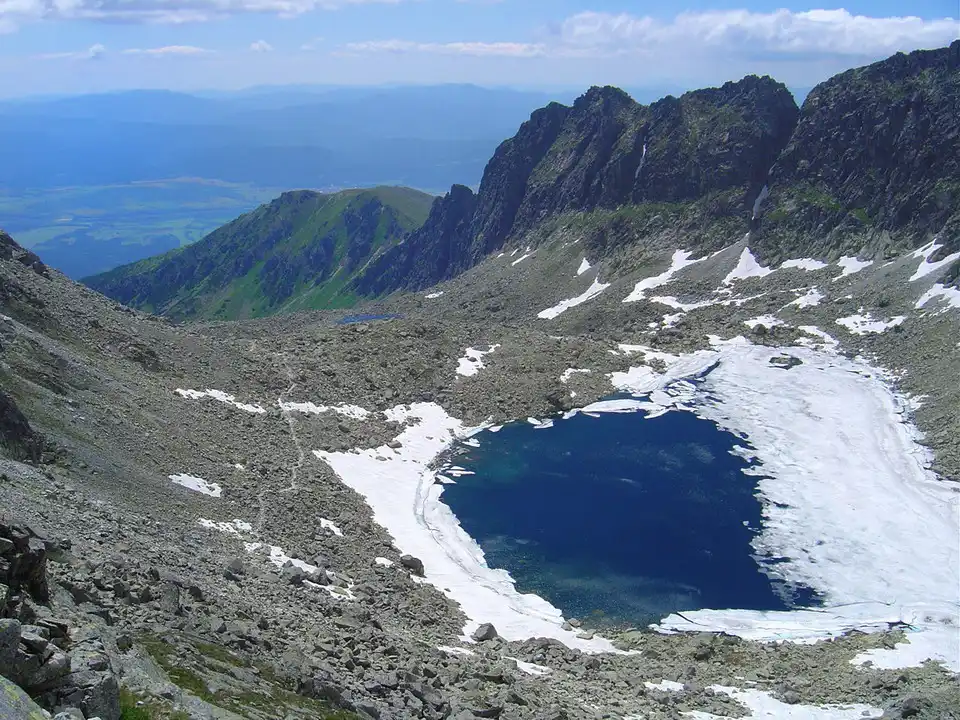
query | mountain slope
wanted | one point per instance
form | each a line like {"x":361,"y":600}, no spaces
{"x":296,"y":252}
{"x":874,"y":162}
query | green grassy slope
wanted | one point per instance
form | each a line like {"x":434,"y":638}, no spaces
{"x":297,"y":252}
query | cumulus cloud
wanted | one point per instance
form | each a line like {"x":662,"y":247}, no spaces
{"x":730,"y":32}
{"x":477,"y":49}
{"x":781,"y":31}
{"x":14,"y":13}
{"x":261,"y":46}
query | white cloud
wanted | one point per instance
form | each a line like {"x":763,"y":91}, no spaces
{"x":261,"y":46}
{"x":781,"y":31}
{"x":312,"y":44}
{"x":91,"y":53}
{"x":168,"y":50}
{"x":477,"y":49}
{"x":14,"y":13}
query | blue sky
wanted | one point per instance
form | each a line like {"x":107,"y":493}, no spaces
{"x":57,"y":46}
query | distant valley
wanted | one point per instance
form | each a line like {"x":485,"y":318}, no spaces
{"x":93,"y":182}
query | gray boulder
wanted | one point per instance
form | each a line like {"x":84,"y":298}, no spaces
{"x":413,"y":564}
{"x":485,"y":632}
{"x":15,"y":704}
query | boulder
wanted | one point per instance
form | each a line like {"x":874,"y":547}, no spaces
{"x":485,"y":632}
{"x":414,"y":565}
{"x":16,"y":704}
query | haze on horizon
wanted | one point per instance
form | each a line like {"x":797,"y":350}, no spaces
{"x":88,"y":46}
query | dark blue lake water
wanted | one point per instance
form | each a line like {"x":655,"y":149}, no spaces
{"x":619,"y":518}
{"x":351,"y":319}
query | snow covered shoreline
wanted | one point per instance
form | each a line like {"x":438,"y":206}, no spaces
{"x":848,"y":498}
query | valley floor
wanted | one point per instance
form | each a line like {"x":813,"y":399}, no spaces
{"x":285,"y":466}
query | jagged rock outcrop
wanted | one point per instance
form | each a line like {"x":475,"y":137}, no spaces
{"x":874,"y":162}
{"x":41,"y":654}
{"x":17,"y":439}
{"x":603,"y":152}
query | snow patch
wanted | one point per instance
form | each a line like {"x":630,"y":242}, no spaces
{"x":950,"y":295}
{"x":680,"y":260}
{"x":570,"y":372}
{"x":399,"y":485}
{"x":595,"y":289}
{"x":197,"y":484}
{"x":926,"y":267}
{"x":328,"y":525}
{"x":352,"y":411}
{"x":812,"y":298}
{"x":851,"y":265}
{"x":763,"y":705}
{"x":863,"y":324}
{"x":222,"y":397}
{"x":530,"y":668}
{"x":664,"y":686}
{"x":584,"y":266}
{"x":828,"y":342}
{"x":768,"y":321}
{"x":450,"y":650}
{"x":523,"y":257}
{"x":472,"y":361}
{"x":234,"y":527}
{"x":434,"y":295}
{"x":807,"y":264}
{"x":383,"y":562}
{"x":747,"y":267}
{"x":764,"y":194}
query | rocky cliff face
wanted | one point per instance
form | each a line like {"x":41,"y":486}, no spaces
{"x":871,"y":164}
{"x":604,"y":152}
{"x":874,"y":161}
{"x":17,"y":439}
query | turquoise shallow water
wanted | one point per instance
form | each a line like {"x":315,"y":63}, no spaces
{"x":619,"y":517}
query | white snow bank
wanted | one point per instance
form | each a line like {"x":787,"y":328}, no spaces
{"x":764,"y":706}
{"x":848,"y":498}
{"x":383,"y":562}
{"x":768,"y":321}
{"x":329,"y":525}
{"x":434,"y":295}
{"x":828,"y":342}
{"x":811,"y":298}
{"x":522,"y":257}
{"x":851,"y":265}
{"x":863,"y":323}
{"x":351,"y":411}
{"x":472,"y":361}
{"x":400,"y":487}
{"x":950,"y":295}
{"x":584,"y":266}
{"x":926,"y":267}
{"x":570,"y":372}
{"x":747,"y":267}
{"x":222,"y":397}
{"x":648,"y":353}
{"x":595,"y":289}
{"x":450,"y":650}
{"x":197,"y":484}
{"x":807,"y":264}
{"x":234,"y":527}
{"x":530,"y":668}
{"x":664,"y":686}
{"x":671,"y":301}
{"x":680,"y":260}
